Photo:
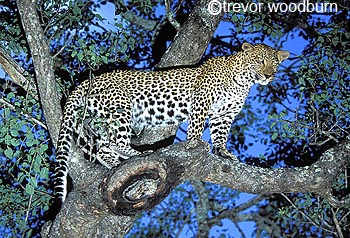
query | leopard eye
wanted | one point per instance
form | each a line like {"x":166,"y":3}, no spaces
{"x":264,"y":62}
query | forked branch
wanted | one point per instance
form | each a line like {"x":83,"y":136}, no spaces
{"x":116,"y":196}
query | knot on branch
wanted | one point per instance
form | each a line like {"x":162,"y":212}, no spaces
{"x":139,"y":184}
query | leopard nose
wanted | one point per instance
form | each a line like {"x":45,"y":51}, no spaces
{"x":268,"y":73}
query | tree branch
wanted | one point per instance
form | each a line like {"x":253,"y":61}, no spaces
{"x":192,"y":38}
{"x":22,"y":112}
{"x":202,"y":208}
{"x":198,"y":164}
{"x":147,"y":24}
{"x":72,"y":220}
{"x":143,"y":181}
{"x":16,"y":72}
{"x":43,"y":66}
{"x":84,"y":213}
{"x":170,"y":15}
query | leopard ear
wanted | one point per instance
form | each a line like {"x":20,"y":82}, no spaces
{"x":247,"y":46}
{"x":282,"y":55}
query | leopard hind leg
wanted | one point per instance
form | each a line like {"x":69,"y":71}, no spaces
{"x":114,"y":144}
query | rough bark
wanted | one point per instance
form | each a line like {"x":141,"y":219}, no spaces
{"x":43,"y":65}
{"x":192,"y":38}
{"x":183,"y":164}
{"x":84,"y":213}
{"x":109,"y":200}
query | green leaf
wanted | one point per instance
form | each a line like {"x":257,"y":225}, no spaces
{"x":8,"y":153}
{"x":3,"y":131}
{"x":80,"y":56}
{"x":234,"y":18}
{"x":44,"y":172}
{"x":123,"y":48}
{"x":46,"y":207}
{"x":10,"y":95}
{"x":131,"y":42}
{"x":76,"y":10}
{"x":98,"y":16}
{"x":33,"y":182}
{"x":274,"y":136}
{"x":14,"y":133}
{"x":37,"y":164}
{"x":43,"y":148}
{"x":335,"y":75}
{"x":282,"y":114}
{"x":118,"y":25}
{"x":15,"y":142}
{"x":273,"y":124}
{"x":104,"y":59}
{"x":320,"y":39}
{"x":8,"y":139}
{"x":29,"y":189}
{"x":286,"y":127}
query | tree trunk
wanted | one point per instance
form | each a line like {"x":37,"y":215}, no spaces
{"x":44,"y":71}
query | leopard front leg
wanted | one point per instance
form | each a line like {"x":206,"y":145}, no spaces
{"x":199,"y":111}
{"x":219,"y":129}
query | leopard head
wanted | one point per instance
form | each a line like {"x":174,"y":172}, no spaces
{"x":265,"y":60}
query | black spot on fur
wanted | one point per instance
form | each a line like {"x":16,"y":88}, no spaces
{"x":151,"y":111}
{"x":160,"y":117}
{"x":170,"y":113}
{"x":184,"y":111}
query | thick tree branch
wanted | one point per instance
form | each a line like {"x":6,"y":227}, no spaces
{"x":142,"y":182}
{"x":84,"y":213}
{"x":43,"y":66}
{"x":192,"y":38}
{"x":198,"y":164}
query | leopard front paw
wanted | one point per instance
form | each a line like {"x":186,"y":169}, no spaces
{"x":223,"y":152}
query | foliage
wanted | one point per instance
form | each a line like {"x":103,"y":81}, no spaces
{"x":304,"y":215}
{"x":324,"y":84}
{"x":11,"y":33}
{"x":24,"y":171}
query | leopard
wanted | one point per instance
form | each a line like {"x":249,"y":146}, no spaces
{"x":120,"y":103}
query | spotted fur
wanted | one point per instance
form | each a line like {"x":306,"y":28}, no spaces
{"x":105,"y":110}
